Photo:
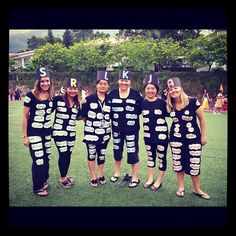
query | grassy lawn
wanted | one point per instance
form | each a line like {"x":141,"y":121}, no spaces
{"x":213,"y":173}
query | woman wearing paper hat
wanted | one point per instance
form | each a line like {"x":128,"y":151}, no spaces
{"x":155,"y":130}
{"x":67,"y":111}
{"x":186,"y":138}
{"x":97,"y":131}
{"x":36,"y":129}
{"x":125,"y":103}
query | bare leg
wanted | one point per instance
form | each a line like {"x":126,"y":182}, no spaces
{"x":180,"y":191}
{"x":135,"y":168}
{"x":160,"y":177}
{"x":91,"y":166}
{"x":150,"y":175}
{"x":117,"y":168}
{"x":100,"y":170}
{"x":196,"y":188}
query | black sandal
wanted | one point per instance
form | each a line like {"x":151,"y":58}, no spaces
{"x":102,"y":180}
{"x":94,"y":183}
{"x":41,"y":193}
{"x":71,"y":180}
{"x":65,"y":184}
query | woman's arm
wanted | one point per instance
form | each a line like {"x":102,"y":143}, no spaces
{"x":25,"y":118}
{"x":201,"y":117}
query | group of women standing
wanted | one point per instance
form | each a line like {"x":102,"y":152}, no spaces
{"x":117,"y":112}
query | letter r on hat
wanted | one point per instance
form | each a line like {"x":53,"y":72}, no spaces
{"x":73,"y":82}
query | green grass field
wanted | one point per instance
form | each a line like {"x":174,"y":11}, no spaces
{"x":213,"y":173}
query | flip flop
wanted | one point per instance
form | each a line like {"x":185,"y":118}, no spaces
{"x":133,"y":184}
{"x":114,"y":178}
{"x":180,"y":193}
{"x":146,"y":185}
{"x":65,"y":184}
{"x":102,"y":180}
{"x":71,"y":180}
{"x":41,"y":193}
{"x":94,"y":183}
{"x":156,"y":188}
{"x":202,"y":195}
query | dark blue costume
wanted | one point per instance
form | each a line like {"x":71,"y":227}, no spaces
{"x":64,"y":132}
{"x":155,"y":131}
{"x":39,"y":133}
{"x":97,"y":130}
{"x":185,"y":139}
{"x":125,"y":123}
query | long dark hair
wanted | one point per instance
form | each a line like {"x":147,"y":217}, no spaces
{"x":75,"y":99}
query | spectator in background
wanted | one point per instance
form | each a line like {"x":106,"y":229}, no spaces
{"x":84,"y":94}
{"x":219,"y":102}
{"x":211,"y":104}
{"x":62,"y":90}
{"x":17,"y":94}
{"x":205,"y":100}
{"x":36,"y":129}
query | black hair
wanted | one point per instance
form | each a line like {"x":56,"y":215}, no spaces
{"x":76,"y":100}
{"x":156,"y":86}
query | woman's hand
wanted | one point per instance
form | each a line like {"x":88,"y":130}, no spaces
{"x":26,"y":141}
{"x":203,"y":140}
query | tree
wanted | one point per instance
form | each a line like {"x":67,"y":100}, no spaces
{"x":90,"y":55}
{"x":51,"y":38}
{"x":55,"y":56}
{"x":205,"y":50}
{"x":11,"y":64}
{"x":79,"y":35}
{"x":98,"y":34}
{"x":35,"y":42}
{"x":67,"y":38}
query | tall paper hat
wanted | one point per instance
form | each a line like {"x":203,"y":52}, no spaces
{"x":71,"y":82}
{"x":124,"y":74}
{"x":151,"y":78}
{"x":42,"y":72}
{"x":103,"y":75}
{"x":173,"y":82}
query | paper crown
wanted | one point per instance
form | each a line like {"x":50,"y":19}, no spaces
{"x":103,"y":75}
{"x":173,"y":82}
{"x":71,"y":82}
{"x":151,"y":78}
{"x":42,"y":72}
{"x":124,"y":74}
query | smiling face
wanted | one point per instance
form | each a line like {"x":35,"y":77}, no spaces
{"x":175,"y":92}
{"x":102,"y":86}
{"x":44,"y":84}
{"x":124,"y":84}
{"x":72,"y":91}
{"x":150,"y":91}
